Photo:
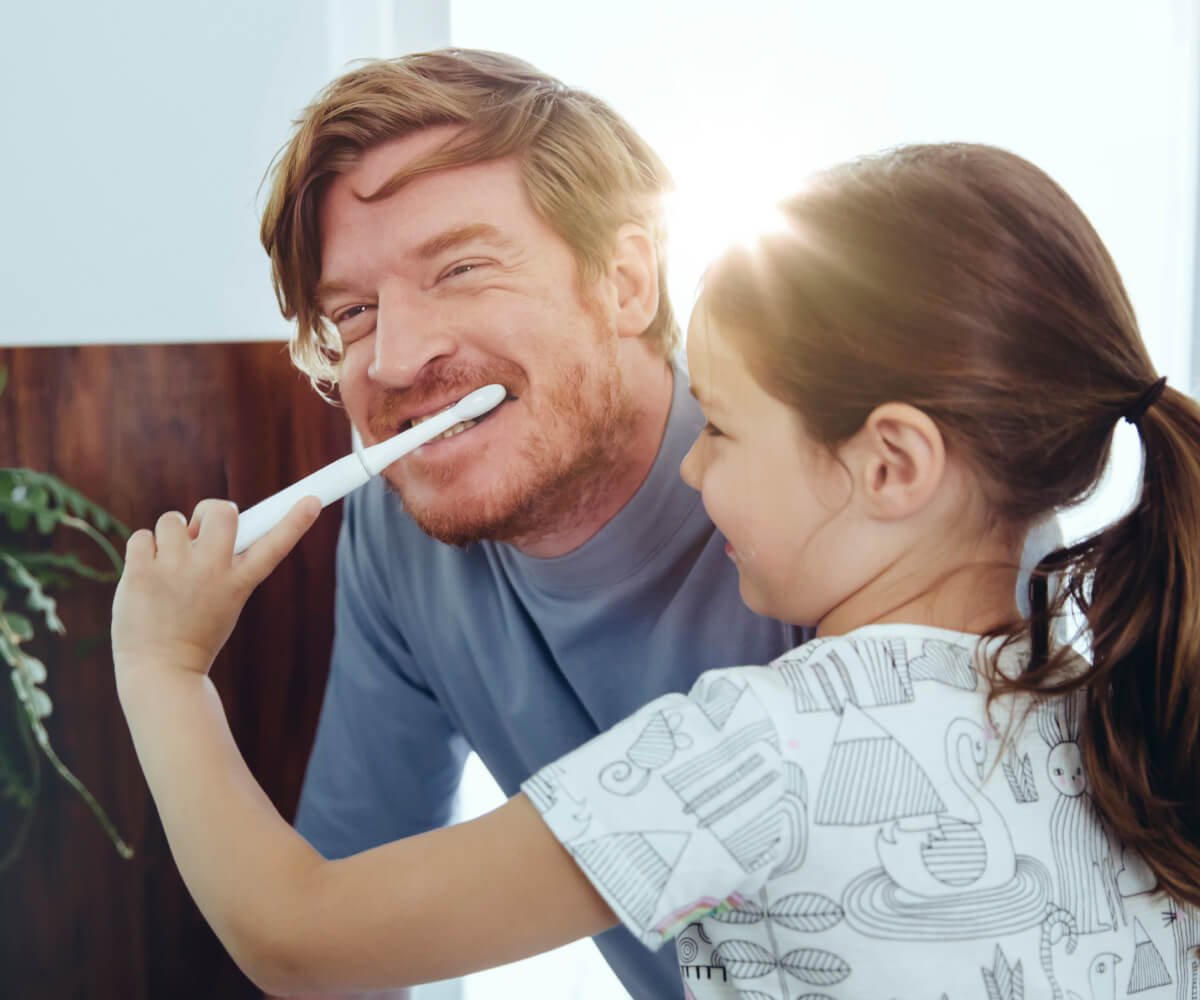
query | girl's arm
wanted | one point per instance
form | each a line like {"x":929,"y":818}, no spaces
{"x":441,"y":904}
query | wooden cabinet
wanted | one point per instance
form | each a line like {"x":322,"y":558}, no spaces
{"x":140,"y":430}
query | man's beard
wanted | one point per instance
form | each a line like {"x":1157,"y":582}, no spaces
{"x":562,"y":471}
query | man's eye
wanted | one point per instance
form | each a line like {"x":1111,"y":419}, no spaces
{"x":457,"y":270}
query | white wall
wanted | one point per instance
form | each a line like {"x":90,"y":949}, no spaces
{"x":1101,"y":93}
{"x":135,"y":137}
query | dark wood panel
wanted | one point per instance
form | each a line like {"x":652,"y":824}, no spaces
{"x":140,"y":430}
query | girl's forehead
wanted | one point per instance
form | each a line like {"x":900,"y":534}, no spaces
{"x":716,"y":365}
{"x":702,"y":342}
{"x":703,"y":334}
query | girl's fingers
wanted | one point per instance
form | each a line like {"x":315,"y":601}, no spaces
{"x":140,"y":547}
{"x":171,"y":535}
{"x":202,"y":508}
{"x":258,"y":561}
{"x":215,"y":523}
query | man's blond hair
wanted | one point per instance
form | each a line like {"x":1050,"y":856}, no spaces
{"x":586,"y":171}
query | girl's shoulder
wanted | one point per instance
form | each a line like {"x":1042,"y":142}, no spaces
{"x":880,"y":665}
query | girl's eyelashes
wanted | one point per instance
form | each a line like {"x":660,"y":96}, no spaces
{"x":348,"y":313}
{"x":712,"y":430}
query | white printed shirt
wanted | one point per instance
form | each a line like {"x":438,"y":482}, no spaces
{"x":847,"y":823}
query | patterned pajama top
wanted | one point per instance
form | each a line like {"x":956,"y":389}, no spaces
{"x":847,"y":822}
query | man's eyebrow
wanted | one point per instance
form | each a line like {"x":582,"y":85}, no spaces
{"x":459,"y":235}
{"x":447,"y":240}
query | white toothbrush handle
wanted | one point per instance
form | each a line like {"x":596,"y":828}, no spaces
{"x":328,"y":484}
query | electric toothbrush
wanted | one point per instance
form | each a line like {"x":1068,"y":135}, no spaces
{"x":346,"y":474}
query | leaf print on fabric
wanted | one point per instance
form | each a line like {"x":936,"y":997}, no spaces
{"x":807,"y":911}
{"x":1019,"y":772}
{"x":1004,"y":981}
{"x":801,"y":911}
{"x":745,"y":959}
{"x":815,"y":967}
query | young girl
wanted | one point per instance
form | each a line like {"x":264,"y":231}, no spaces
{"x":931,"y":798}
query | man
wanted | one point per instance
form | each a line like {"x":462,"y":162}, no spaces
{"x":437,"y":223}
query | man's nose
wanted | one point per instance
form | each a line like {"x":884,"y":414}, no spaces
{"x":410,"y":332}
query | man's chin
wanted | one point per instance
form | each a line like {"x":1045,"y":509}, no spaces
{"x":455,"y":516}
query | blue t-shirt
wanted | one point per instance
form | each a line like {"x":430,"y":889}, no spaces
{"x":439,"y":650}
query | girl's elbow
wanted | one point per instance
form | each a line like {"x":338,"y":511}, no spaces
{"x":275,"y":961}
{"x":279,"y":975}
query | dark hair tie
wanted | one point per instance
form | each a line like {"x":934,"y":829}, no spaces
{"x":1137,"y":409}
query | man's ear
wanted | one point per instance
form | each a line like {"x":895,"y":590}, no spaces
{"x":903,"y":460}
{"x":633,"y":271}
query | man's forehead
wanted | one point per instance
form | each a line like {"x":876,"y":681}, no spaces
{"x":379,"y":164}
{"x":439,"y":211}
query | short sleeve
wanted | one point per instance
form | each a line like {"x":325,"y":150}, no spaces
{"x":681,"y":808}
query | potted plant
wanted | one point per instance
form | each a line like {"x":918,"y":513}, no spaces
{"x":34,"y":507}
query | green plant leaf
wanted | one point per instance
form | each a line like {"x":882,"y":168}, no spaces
{"x":36,"y":597}
{"x":9,"y":650}
{"x":20,"y":626}
{"x":35,"y":502}
{"x":17,"y":517}
{"x":37,"y":703}
{"x":58,"y":568}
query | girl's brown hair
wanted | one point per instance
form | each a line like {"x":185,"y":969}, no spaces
{"x":964,"y":281}
{"x":587,"y":172}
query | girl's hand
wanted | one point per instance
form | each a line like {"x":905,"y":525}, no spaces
{"x":183,"y":588}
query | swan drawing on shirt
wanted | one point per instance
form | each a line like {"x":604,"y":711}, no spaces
{"x":1102,"y":978}
{"x":948,"y":855}
{"x":1087,"y":875}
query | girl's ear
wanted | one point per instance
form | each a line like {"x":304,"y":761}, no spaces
{"x":903,"y":460}
{"x":633,"y":271}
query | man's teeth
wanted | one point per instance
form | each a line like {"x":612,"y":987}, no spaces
{"x":456,"y":429}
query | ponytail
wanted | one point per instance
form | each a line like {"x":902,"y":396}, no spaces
{"x":1137,"y":584}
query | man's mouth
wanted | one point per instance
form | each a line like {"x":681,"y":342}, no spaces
{"x":457,"y":428}
{"x":451,"y":432}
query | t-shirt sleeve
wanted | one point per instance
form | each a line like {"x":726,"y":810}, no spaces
{"x":386,"y":761}
{"x":683,"y":807}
